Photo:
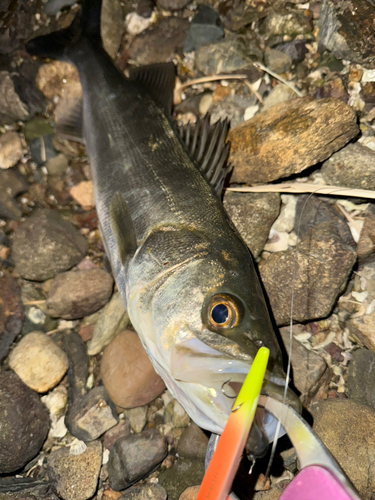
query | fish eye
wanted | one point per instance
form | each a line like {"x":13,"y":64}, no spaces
{"x":222,"y":312}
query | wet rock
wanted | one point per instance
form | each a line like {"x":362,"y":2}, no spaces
{"x":172,"y":4}
{"x":176,"y":415}
{"x":277,"y":61}
{"x":11,"y":184}
{"x":353,"y":166}
{"x":134,"y":457}
{"x":159,"y":43}
{"x":361,"y":377}
{"x":290,"y":22}
{"x":345,"y":30}
{"x":323,"y":265}
{"x":38,"y":361}
{"x":366,"y":243}
{"x":193,"y":442}
{"x":24,"y":423}
{"x":75,"y":476}
{"x":83,"y":194}
{"x":253,"y":216}
{"x":205,"y":28}
{"x":183,"y":474}
{"x":296,"y":50}
{"x":11,"y":106}
{"x":145,"y":492}
{"x":92,"y":415}
{"x":78,"y":293}
{"x":137,"y":418}
{"x":10,"y":149}
{"x":57,"y":165}
{"x":112,"y":320}
{"x":122,"y":429}
{"x":46,"y":244}
{"x":42,"y":149}
{"x":296,"y":126}
{"x":231,"y":107}
{"x":190,"y":493}
{"x":11,"y":313}
{"x":226,"y":56}
{"x":111,"y":26}
{"x":127,"y":372}
{"x":362,"y":329}
{"x":280,"y":93}
{"x":348,"y":429}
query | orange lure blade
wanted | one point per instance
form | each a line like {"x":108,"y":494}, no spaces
{"x":220,"y":473}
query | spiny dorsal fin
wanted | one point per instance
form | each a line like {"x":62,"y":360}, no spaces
{"x":159,"y":80}
{"x":122,"y":228}
{"x":70,"y":124}
{"x":207,"y":147}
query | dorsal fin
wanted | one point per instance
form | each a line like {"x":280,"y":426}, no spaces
{"x":122,"y":228}
{"x":207,"y":147}
{"x":159,"y":80}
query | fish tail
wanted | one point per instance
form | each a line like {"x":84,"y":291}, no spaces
{"x":56,"y":45}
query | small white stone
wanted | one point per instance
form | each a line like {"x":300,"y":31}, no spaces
{"x":10,"y":150}
{"x":36,"y":316}
{"x":360,"y":296}
{"x":250,"y":111}
{"x":368,"y":75}
{"x":56,"y":400}
{"x":135,"y":24}
{"x":277,"y":241}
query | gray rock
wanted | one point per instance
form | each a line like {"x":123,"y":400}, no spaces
{"x":172,"y":4}
{"x":296,"y":50}
{"x":280,"y":93}
{"x":11,"y":313}
{"x":353,"y":166}
{"x":46,"y":244}
{"x":11,"y":106}
{"x":112,"y":26}
{"x":193,"y":442}
{"x":57,"y":165}
{"x":75,"y":476}
{"x":366,"y":243}
{"x":134,"y":457}
{"x":184,"y":473}
{"x":137,"y":418}
{"x":290,"y":22}
{"x":92,"y":415}
{"x":175,"y":415}
{"x":24,"y":423}
{"x":205,"y":28}
{"x":277,"y":61}
{"x":324,"y":263}
{"x":11,"y":184}
{"x":75,"y":294}
{"x":122,"y":429}
{"x":361,"y":377}
{"x":145,"y":492}
{"x":159,"y":43}
{"x":112,"y":320}
{"x":10,"y":149}
{"x":253,"y":215}
{"x":52,"y":7}
{"x":348,"y":430}
{"x":232,"y":108}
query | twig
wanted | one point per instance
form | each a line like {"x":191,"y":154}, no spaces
{"x":34,"y":302}
{"x":278,"y":77}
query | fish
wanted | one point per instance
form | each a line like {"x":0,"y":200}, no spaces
{"x":187,"y":278}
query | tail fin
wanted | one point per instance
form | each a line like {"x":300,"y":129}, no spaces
{"x":85,"y":24}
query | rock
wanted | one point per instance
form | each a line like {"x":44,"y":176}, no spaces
{"x":25,"y":487}
{"x":172,"y":4}
{"x":226,"y":56}
{"x":280,"y":93}
{"x":112,"y":320}
{"x":277,"y":61}
{"x":205,"y":28}
{"x":193,"y":442}
{"x":127,"y":372}
{"x":111,"y":26}
{"x":159,"y":43}
{"x":38,"y":361}
{"x":46,"y":244}
{"x":345,"y":30}
{"x":56,"y":400}
{"x":11,"y":313}
{"x":348,"y":430}
{"x":134,"y":457}
{"x":122,"y":429}
{"x":253,"y":215}
{"x":92,"y":415}
{"x":42,"y":149}
{"x":366,"y":243}
{"x":361,"y":377}
{"x":290,"y":22}
{"x":296,"y":126}
{"x":11,"y":106}
{"x":231,"y":107}
{"x":10,"y":149}
{"x":147,"y":491}
{"x":190,"y":493}
{"x":83,"y":194}
{"x":75,"y":294}
{"x":183,"y":474}
{"x":176,"y":415}
{"x":362,"y":329}
{"x":324,"y":263}
{"x":137,"y":418}
{"x":57,"y":165}
{"x":353,"y":166}
{"x":75,"y":476}
{"x":52,"y":7}
{"x":11,"y":184}
{"x":135,"y":23}
{"x":296,"y":50}
{"x":24,"y":423}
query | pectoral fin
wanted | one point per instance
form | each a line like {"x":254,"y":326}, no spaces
{"x":122,"y":228}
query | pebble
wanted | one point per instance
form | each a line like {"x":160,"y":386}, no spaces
{"x":321,"y":275}
{"x":172,"y":4}
{"x":361,"y":377}
{"x":75,"y":294}
{"x":137,"y":418}
{"x":159,"y":43}
{"x":193,"y":442}
{"x":366,"y":243}
{"x":91,"y":415}
{"x":122,"y":429}
{"x":205,"y":28}
{"x":113,"y":318}
{"x":52,"y":7}
{"x":56,"y":400}
{"x":24,"y":423}
{"x":111,"y":26}
{"x":42,"y":149}
{"x":190,"y":493}
{"x":184,"y":473}
{"x":11,"y":105}
{"x":362,"y":329}
{"x":348,"y":430}
{"x":296,"y":50}
{"x":290,"y":22}
{"x":296,"y":126}
{"x":134,"y":457}
{"x":280,"y":93}
{"x":145,"y":492}
{"x":135,"y":23}
{"x":277,"y":61}
{"x":57,"y":165}
{"x":231,"y":107}
{"x":176,"y":415}
{"x":11,"y":313}
{"x":253,"y":215}
{"x":11,"y":184}
{"x":46,"y":244}
{"x":10,"y":149}
{"x":127,"y":372}
{"x":38,"y":361}
{"x":353,"y":166}
{"x":75,"y":476}
{"x":83,"y":194}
